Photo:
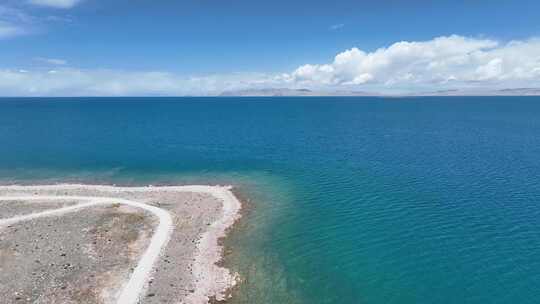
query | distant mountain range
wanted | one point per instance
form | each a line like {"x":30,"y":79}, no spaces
{"x":306,"y":92}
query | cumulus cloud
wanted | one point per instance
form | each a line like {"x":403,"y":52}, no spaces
{"x":64,"y":4}
{"x":403,"y":67}
{"x":440,"y":62}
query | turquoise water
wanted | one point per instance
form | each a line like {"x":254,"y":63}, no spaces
{"x":354,"y":200}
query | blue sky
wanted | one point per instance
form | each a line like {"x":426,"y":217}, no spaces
{"x":221,"y":40}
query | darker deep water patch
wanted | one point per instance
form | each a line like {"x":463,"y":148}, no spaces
{"x":369,"y":200}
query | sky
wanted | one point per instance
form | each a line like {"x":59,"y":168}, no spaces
{"x":205,"y":47}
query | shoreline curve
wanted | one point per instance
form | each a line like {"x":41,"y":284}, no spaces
{"x":211,"y":281}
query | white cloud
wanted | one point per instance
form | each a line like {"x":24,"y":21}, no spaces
{"x":76,"y":82}
{"x":56,"y":3}
{"x":336,"y":27}
{"x":441,"y":62}
{"x":8,"y":30}
{"x":13,"y":22}
{"x":51,"y":61}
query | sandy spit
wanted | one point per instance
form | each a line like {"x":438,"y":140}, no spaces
{"x":210,"y":280}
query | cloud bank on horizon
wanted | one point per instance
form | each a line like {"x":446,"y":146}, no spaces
{"x":445,"y":62}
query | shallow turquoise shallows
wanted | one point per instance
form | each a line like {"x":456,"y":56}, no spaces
{"x":353,"y":200}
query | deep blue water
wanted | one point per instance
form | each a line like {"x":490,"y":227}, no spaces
{"x":355,"y":200}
